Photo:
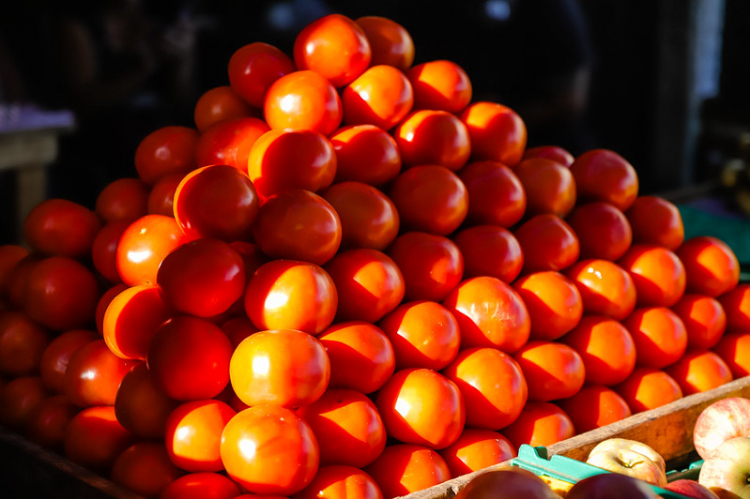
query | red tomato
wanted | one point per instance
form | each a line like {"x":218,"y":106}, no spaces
{"x":553,"y":371}
{"x":648,"y":388}
{"x":340,"y":482}
{"x":365,"y":153}
{"x":221,"y":104}
{"x":659,"y":335}
{"x":140,"y":406}
{"x":699,"y":371}
{"x":124,"y":199}
{"x":555,"y":153}
{"x":380,"y":96}
{"x":602,"y":230}
{"x":94,"y":375}
{"x":201,"y":486}
{"x":390,"y":43}
{"x":229,"y":142}
{"x":166,"y":151}
{"x":734,"y":350}
{"x":704,"y":319}
{"x":496,"y":194}
{"x":145,"y":469}
{"x":442,"y":85}
{"x":554,"y":303}
{"x":594,"y":407}
{"x":10,"y":256}
{"x":131,"y":320}
{"x":656,"y":221}
{"x":477,"y":449}
{"x":490,"y":250}
{"x":736,"y":304}
{"x":403,"y":468}
{"x":46,"y":424}
{"x":161,"y":197}
{"x":497,"y":133}
{"x":18,"y":280}
{"x":18,"y":398}
{"x":549,"y":186}
{"x":658,"y":275}
{"x":104,"y":301}
{"x":193,"y":434}
{"x":94,"y":439}
{"x":429,"y":137}
{"x":58,"y":227}
{"x":238,"y":328}
{"x":603,"y":175}
{"x":104,"y":250}
{"x":540,"y":423}
{"x":22,"y":344}
{"x":548,"y":243}
{"x":253,"y":69}
{"x":57,"y":355}
{"x":711,"y":267}
{"x":303,"y":100}
{"x":606,"y":288}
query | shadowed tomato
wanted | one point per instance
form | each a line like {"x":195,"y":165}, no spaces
{"x":648,"y":388}
{"x":658,"y":275}
{"x":711,"y":267}
{"x":145,"y":469}
{"x":341,"y":482}
{"x":659,"y":335}
{"x":303,"y":100}
{"x":229,"y":142}
{"x":123,"y":199}
{"x":140,"y":406}
{"x":22,"y":344}
{"x":734,"y":350}
{"x":606,"y":288}
{"x":552,"y":370}
{"x":381,"y":96}
{"x":132,"y":318}
{"x":201,"y":486}
{"x":496,"y":195}
{"x":404,"y":468}
{"x":540,"y":423}
{"x":253,"y":69}
{"x":94,"y":375}
{"x":193,"y":434}
{"x":104,"y":250}
{"x":429,"y":137}
{"x":736,"y":304}
{"x":497,"y":133}
{"x":554,"y":303}
{"x":161,"y":197}
{"x":490,"y":250}
{"x":549,"y":186}
{"x":442,"y":85}
{"x":94,"y":439}
{"x":390,"y":43}
{"x":602,"y":230}
{"x":47,"y":423}
{"x":165,"y":151}
{"x":58,"y":227}
{"x":18,"y":398}
{"x":555,"y":153}
{"x":56,"y":356}
{"x":548,"y":243}
{"x":604,"y":175}
{"x":477,"y":449}
{"x":594,"y":407}
{"x":104,"y":301}
{"x":656,"y":221}
{"x":699,"y":371}
{"x":10,"y":256}
{"x":221,"y":104}
{"x":18,"y":280}
{"x":704,"y":319}
{"x":238,"y":328}
{"x":365,"y":153}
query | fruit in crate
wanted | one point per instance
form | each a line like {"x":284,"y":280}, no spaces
{"x":725,"y":419}
{"x":631,"y":458}
{"x":690,"y":488}
{"x":507,"y":483}
{"x":611,"y":486}
{"x":726,"y":471}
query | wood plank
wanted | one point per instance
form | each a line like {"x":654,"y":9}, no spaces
{"x":21,"y":150}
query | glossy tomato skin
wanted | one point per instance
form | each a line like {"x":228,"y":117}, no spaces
{"x":490,"y":250}
{"x":303,"y":100}
{"x":390,"y":43}
{"x":658,"y":274}
{"x":365,"y":153}
{"x":477,"y":449}
{"x":540,"y":423}
{"x":648,"y":388}
{"x":704,"y":319}
{"x":94,"y":438}
{"x":736,"y":304}
{"x":56,"y":356}
{"x":733,"y":350}
{"x":699,"y":371}
{"x":254,"y":67}
{"x":22,"y":344}
{"x":604,"y":175}
{"x":104,"y":250}
{"x":145,"y":468}
{"x":555,"y":153}
{"x":220,"y":104}
{"x":340,"y":481}
{"x":429,"y":137}
{"x":405,"y":468}
{"x":229,"y":142}
{"x":497,"y":133}
{"x":205,"y":485}
{"x":165,"y":151}
{"x":94,"y":375}
{"x":104,"y":301}
{"x":552,"y":370}
{"x":161,"y":197}
{"x":140,"y":406}
{"x":381,"y":96}
{"x":595,"y":406}
{"x":440,"y":84}
{"x":548,"y":243}
{"x":549,"y":186}
{"x":61,"y":228}
{"x":122,"y":199}
{"x":659,"y":335}
{"x":603,"y":230}
{"x":554,"y":303}
{"x":655,"y":220}
{"x":496,"y":195}
{"x":711,"y":266}
{"x":606,"y":288}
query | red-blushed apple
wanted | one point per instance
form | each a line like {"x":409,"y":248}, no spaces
{"x":690,"y":488}
{"x":631,"y":458}
{"x":634,"y":445}
{"x":727,"y":471}
{"x":720,"y":421}
{"x":611,"y":486}
{"x":506,"y":483}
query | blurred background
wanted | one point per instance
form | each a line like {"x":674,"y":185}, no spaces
{"x":663,"y":83}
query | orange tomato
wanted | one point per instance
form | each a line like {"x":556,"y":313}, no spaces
{"x":442,"y":85}
{"x":381,"y":96}
{"x":23,"y":343}
{"x":736,"y":304}
{"x":548,"y":243}
{"x":404,"y":468}
{"x":710,"y":264}
{"x":655,"y":220}
{"x":165,"y":151}
{"x":496,"y":195}
{"x":658,"y":275}
{"x":201,"y":486}
{"x":555,"y":153}
{"x":704,"y":319}
{"x":734,"y":350}
{"x":221,"y":104}
{"x":340,"y":482}
{"x":303,"y":100}
{"x":390,"y":43}
{"x":490,"y":250}
{"x":477,"y":449}
{"x":604,"y":175}
{"x":229,"y":142}
{"x":124,"y":199}
{"x":104,"y":301}
{"x":554,"y":303}
{"x":552,"y":371}
{"x":253,"y":69}
{"x":549,"y":186}
{"x":365,"y":153}
{"x":602,"y":230}
{"x":540,"y":423}
{"x":594,"y":407}
{"x":140,"y":406}
{"x":606,"y":288}
{"x":430,"y":137}
{"x":659,"y":335}
{"x":58,"y":227}
{"x":699,"y":371}
{"x":94,"y":439}
{"x":497,"y":132}
{"x":648,"y":388}
{"x":145,"y":469}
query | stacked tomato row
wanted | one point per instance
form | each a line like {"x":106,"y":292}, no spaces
{"x":350,"y":280}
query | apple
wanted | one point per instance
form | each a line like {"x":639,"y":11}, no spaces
{"x":727,"y":471}
{"x":506,"y":483}
{"x":611,"y":486}
{"x":722,"y":420}
{"x":631,"y":458}
{"x":690,"y":488}
{"x":634,"y":445}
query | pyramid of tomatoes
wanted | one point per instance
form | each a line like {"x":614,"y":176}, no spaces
{"x":350,"y":280}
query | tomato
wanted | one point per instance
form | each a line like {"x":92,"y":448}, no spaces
{"x":229,"y":142}
{"x":131,"y":320}
{"x":298,"y":224}
{"x":216,"y":201}
{"x":429,"y":137}
{"x":555,"y":153}
{"x":94,"y":438}
{"x":477,"y":449}
{"x":704,"y":319}
{"x":94,"y":375}
{"x":594,"y":407}
{"x":22,"y":344}
{"x":602,"y":230}
{"x":497,"y":132}
{"x":489,"y":313}
{"x":104,"y":301}
{"x":291,"y":159}
{"x":390,"y":43}
{"x":711,"y":267}
{"x":303,"y":100}
{"x":56,"y":356}
{"x":365,"y":153}
{"x":124,"y":199}
{"x":548,"y":243}
{"x":403,"y":468}
{"x":432,"y":265}
{"x":333,"y":46}
{"x":238,"y":328}
{"x":361,"y":356}
{"x":552,"y":371}
{"x":734,"y":350}
{"x":442,"y":85}
{"x":58,"y":227}
{"x":490,"y":250}
{"x":369,"y":284}
{"x":161,"y":197}
{"x":10,"y":256}
{"x":430,"y":198}
{"x":104,"y":250}
{"x":257,"y":439}
{"x":189,"y":358}
{"x":340,"y":482}
{"x":381,"y":96}
{"x":18,"y":398}
{"x":492,"y":385}
{"x":201,"y":486}
{"x":606,"y":349}
{"x":165,"y":151}
{"x":193,"y":434}
{"x":658,"y":275}
{"x":699,"y":371}
{"x":549,"y":186}
{"x":659,"y":335}
{"x":18,"y":280}
{"x":648,"y":388}
{"x":423,"y":334}
{"x":496,"y":194}
{"x":253,"y":69}
{"x":604,"y":175}
{"x":140,"y":406}
{"x":221,"y":104}
{"x":348,"y":427}
{"x":606,"y":288}
{"x":736,"y":304}
{"x":540,"y":423}
{"x":282,"y":367}
{"x":145,"y":469}
{"x":655,"y":220}
{"x":47,"y":422}
{"x":290,"y":294}
{"x":554,"y":303}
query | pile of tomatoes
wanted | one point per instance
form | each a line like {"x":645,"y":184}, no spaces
{"x":352,"y":281}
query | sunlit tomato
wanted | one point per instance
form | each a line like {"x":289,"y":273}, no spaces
{"x":734,"y":350}
{"x":489,"y":313}
{"x":369,"y":284}
{"x":124,"y":199}
{"x":201,"y":486}
{"x":238,"y":328}
{"x":594,"y":407}
{"x":94,"y":438}
{"x":489,"y":250}
{"x":604,"y":175}
{"x":477,"y":449}
{"x":606,"y":348}
{"x":167,"y":150}
{"x":365,"y":153}
{"x":46,"y":424}
{"x":257,"y":439}
{"x":229,"y":142}
{"x":61,"y":293}
{"x":492,"y":384}
{"x":648,"y":388}
{"x":430,"y":198}
{"x":404,"y":468}
{"x":94,"y":375}
{"x":221,"y":104}
{"x":347,"y":426}
{"x":18,"y":398}
{"x":549,"y":186}
{"x":161,"y":197}
{"x":303,"y":100}
{"x":548,"y":243}
{"x":602,"y":230}
{"x":290,"y":294}
{"x":140,"y":406}
{"x":497,"y":133}
{"x":430,"y":137}
{"x":22,"y":344}
{"x":333,"y":46}
{"x":606,"y":288}
{"x":736,"y":304}
{"x":104,"y":250}
{"x":56,"y":356}
{"x":540,"y":423}
{"x":189,"y":358}
{"x":145,"y":469}
{"x":59,"y":227}
{"x":659,"y":335}
{"x":282,"y":367}
{"x":655,"y":220}
{"x":552,"y":371}
{"x":442,"y":85}
{"x":341,"y":482}
{"x":380,"y":96}
{"x":423,"y":334}
{"x":144,"y":245}
{"x":10,"y":255}
{"x":132,"y":318}
{"x":298,"y":224}
{"x":554,"y":303}
{"x":496,"y":195}
{"x":658,"y":275}
{"x":555,"y":153}
{"x":291,"y":159}
{"x":18,"y":280}
{"x":710,"y":264}
{"x":704,"y":319}
{"x":390,"y":43}
{"x":216,"y":201}
{"x":699,"y":371}
{"x":253,"y":69}
{"x":368,"y":217}
{"x":432,"y":265}
{"x":422,"y":407}
{"x":104,"y":301}
{"x":371,"y":366}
